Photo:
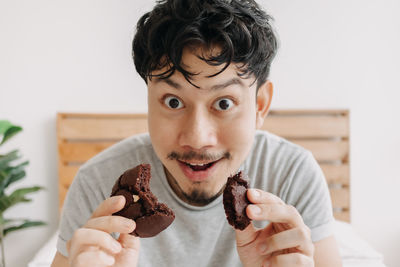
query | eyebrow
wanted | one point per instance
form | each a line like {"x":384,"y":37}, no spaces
{"x":227,"y":83}
{"x":169,"y":82}
{"x":213,"y":88}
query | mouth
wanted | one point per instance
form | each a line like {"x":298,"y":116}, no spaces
{"x":198,"y":171}
{"x":199,"y":166}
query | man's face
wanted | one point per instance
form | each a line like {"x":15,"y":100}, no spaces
{"x":201,"y":135}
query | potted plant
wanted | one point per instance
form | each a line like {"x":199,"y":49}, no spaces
{"x":11,"y":171}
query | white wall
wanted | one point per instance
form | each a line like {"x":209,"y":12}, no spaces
{"x":75,"y":56}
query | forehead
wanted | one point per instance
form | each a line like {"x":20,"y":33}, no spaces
{"x":204,"y":73}
{"x":193,"y":60}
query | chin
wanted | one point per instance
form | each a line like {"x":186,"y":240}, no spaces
{"x":199,"y":196}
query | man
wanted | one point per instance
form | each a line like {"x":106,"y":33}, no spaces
{"x":206,"y":64}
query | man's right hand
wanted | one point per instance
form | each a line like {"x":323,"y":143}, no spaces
{"x":92,"y":245}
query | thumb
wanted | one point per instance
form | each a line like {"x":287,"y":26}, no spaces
{"x":129,"y":241}
{"x":130,"y":254}
{"x":246,"y":236}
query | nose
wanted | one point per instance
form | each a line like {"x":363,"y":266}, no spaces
{"x":198,"y":131}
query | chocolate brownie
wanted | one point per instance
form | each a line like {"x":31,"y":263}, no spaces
{"x":235,"y":201}
{"x":141,"y":204}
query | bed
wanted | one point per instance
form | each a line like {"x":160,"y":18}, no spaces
{"x":324,"y":132}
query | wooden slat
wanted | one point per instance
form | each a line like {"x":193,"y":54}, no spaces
{"x":285,"y":112}
{"x":342,"y":215}
{"x":322,"y":150}
{"x":118,"y":126}
{"x":340,"y":198}
{"x":336,"y":174}
{"x":92,"y":128}
{"x":67,"y":173}
{"x":81,"y":152}
{"x":296,"y":126}
{"x":326,"y":150}
{"x":66,"y":115}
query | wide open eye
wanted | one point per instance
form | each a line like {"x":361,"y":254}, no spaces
{"x":223,"y":104}
{"x":173,"y":102}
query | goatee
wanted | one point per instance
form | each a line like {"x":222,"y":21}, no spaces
{"x":198,"y":197}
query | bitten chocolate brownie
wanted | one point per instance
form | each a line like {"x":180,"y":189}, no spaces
{"x":235,"y":201}
{"x":141,"y":204}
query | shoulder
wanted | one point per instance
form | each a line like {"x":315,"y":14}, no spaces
{"x":276,"y":164}
{"x":269,"y":148}
{"x":291,"y":172}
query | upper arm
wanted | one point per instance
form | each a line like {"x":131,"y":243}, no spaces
{"x":326,"y":253}
{"x":59,"y":261}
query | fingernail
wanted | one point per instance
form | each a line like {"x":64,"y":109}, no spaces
{"x":255,"y":193}
{"x":255,"y":209}
{"x":129,"y":223}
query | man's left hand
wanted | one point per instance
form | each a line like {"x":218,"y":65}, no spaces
{"x":285,"y":241}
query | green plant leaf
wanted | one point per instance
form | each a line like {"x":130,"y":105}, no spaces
{"x":5,"y":222}
{"x":12,"y":222}
{"x":16,"y":197}
{"x":7,"y":158}
{"x":6,"y":203}
{"x":11,"y":175}
{"x":8,"y":130}
{"x":4,"y":126}
{"x":25,"y":224}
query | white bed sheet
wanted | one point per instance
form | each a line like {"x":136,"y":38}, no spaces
{"x":46,"y":253}
{"x":355,"y":251}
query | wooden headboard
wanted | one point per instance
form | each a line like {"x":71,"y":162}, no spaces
{"x":324,"y":132}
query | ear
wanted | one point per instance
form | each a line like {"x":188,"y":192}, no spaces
{"x":264,"y":98}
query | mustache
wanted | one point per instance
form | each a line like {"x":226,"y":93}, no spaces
{"x":192,"y":155}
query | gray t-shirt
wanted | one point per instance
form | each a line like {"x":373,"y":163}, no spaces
{"x":201,"y":236}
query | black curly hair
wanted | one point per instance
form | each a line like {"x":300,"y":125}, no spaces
{"x":240,"y":28}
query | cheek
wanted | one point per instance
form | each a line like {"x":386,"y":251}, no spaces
{"x":159,"y":134}
{"x":162,"y":131}
{"x":156,"y":127}
{"x":239,"y":133}
{"x":239,"y":137}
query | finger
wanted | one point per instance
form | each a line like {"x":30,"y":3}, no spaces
{"x":109,"y":206}
{"x":129,"y":241}
{"x":292,"y":260}
{"x":258,"y":196}
{"x":246,"y":236}
{"x":84,"y":237}
{"x":130,"y":253}
{"x":299,"y":238}
{"x":275,"y":213}
{"x":93,"y":257}
{"x":111,"y":224}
